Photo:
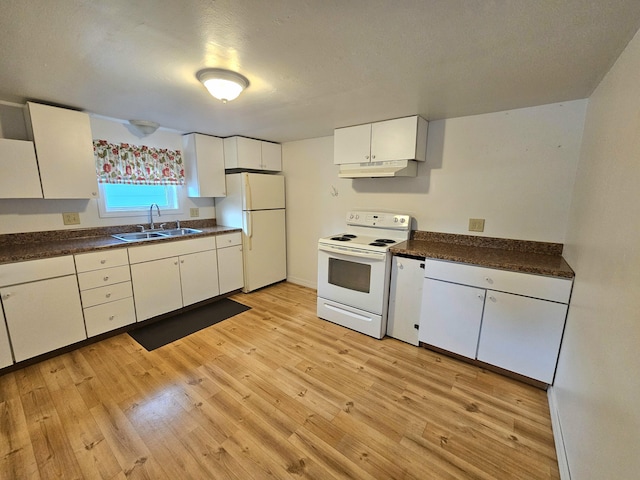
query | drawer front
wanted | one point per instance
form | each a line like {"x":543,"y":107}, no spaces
{"x":109,"y":316}
{"x":33,"y":270}
{"x":109,"y":293}
{"x":158,"y":251}
{"x":100,"y":278}
{"x":85,"y":262}
{"x":229,"y":239}
{"x":537,"y":286}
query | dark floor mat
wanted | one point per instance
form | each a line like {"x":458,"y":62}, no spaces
{"x":174,"y":328}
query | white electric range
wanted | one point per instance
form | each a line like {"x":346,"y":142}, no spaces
{"x":354,"y":270}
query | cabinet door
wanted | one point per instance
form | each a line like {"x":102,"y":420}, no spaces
{"x":271,"y":156}
{"x":204,"y":165}
{"x":6,"y":358}
{"x":64,"y":148}
{"x":19,"y":177}
{"x":450,"y":316}
{"x":405,"y":299}
{"x":352,"y":144}
{"x":199,"y":275}
{"x":394,"y":139}
{"x":43,"y":316}
{"x":522,"y":334}
{"x":230,"y":270}
{"x":156,"y":287}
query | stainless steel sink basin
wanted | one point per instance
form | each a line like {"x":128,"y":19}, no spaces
{"x":177,"y":232}
{"x":137,"y":236}
{"x":140,"y":236}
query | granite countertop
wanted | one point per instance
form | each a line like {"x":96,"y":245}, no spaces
{"x":32,"y":246}
{"x":516,"y":255}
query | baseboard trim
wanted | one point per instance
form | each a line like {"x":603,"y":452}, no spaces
{"x":304,"y":283}
{"x":561,"y":453}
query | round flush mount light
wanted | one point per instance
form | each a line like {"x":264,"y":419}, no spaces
{"x":144,"y":127}
{"x":224,"y":85}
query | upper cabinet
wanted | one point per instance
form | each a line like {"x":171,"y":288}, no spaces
{"x":64,"y":149}
{"x":398,"y":139}
{"x":19,"y":176}
{"x":204,"y":165}
{"x":249,"y":154}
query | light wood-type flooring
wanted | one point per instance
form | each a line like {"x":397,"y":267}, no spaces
{"x":273,"y":392}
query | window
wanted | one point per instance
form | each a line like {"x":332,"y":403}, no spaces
{"x":122,"y":200}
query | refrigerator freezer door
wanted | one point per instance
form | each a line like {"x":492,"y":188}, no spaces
{"x":264,"y":248}
{"x":262,"y":191}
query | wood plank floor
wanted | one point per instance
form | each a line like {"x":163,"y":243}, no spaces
{"x":273,"y":392}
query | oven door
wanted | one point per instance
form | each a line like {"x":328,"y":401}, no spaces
{"x":355,"y":278}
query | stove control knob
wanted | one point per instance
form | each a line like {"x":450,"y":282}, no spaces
{"x":402,"y":220}
{"x":395,"y":219}
{"x":351,"y":216}
{"x":357,"y":217}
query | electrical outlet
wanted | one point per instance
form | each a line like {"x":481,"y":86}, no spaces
{"x":194,"y":212}
{"x":71,"y":218}
{"x":476,"y":224}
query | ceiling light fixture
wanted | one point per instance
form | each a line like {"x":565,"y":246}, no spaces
{"x":225,"y":85}
{"x":144,"y":127}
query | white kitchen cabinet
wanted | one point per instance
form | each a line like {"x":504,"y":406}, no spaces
{"x":168,"y":276}
{"x":204,"y":165}
{"x":6,"y":358}
{"x":19,"y":177}
{"x":405,"y":299}
{"x":64,"y":150}
{"x":42,"y":306}
{"x":105,"y":290}
{"x":522,"y":334}
{"x":508,"y":319}
{"x":451,"y":316}
{"x":397,"y":139}
{"x":230,"y":268}
{"x":251,"y":154}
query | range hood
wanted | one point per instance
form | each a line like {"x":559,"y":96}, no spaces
{"x":391,"y":168}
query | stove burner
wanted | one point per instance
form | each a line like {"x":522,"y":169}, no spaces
{"x":349,"y":235}
{"x":385,"y":240}
{"x":344,"y":238}
{"x":378,"y":244}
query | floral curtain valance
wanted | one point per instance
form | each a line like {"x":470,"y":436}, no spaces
{"x":140,"y":165}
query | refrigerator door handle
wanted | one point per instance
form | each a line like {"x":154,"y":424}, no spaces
{"x":247,"y":186}
{"x":249,"y":223}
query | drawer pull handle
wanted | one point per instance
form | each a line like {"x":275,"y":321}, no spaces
{"x":111,"y":317}
{"x":103,"y":262}
{"x":6,"y":296}
{"x":481,"y":296}
{"x":106,"y":278}
{"x":108,"y":295}
{"x":489,"y":280}
{"x":493,"y":299}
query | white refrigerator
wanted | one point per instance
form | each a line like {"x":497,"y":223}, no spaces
{"x":255,"y":202}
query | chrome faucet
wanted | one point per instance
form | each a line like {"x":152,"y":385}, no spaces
{"x":151,"y":225}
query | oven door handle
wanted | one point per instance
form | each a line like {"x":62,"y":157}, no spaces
{"x":351,"y":253}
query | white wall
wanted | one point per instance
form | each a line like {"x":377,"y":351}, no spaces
{"x":32,"y":215}
{"x":515,"y":169}
{"x":597,"y":386}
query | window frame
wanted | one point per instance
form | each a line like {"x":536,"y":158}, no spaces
{"x":103,"y":212}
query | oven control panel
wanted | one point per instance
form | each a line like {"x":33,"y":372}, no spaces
{"x":394,"y":221}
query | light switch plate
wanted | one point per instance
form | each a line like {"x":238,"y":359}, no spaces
{"x":194,"y":212}
{"x":71,"y":218}
{"x":476,"y":224}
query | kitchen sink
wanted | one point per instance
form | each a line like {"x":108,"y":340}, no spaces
{"x":140,"y":236}
{"x":178,"y":232}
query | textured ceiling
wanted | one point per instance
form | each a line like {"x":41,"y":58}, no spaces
{"x":313,"y":65}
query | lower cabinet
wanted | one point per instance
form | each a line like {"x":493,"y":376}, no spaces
{"x":41,"y":304}
{"x":405,"y":299}
{"x":168,"y":276}
{"x":516,"y":324}
{"x":6,"y":358}
{"x":230,"y":268}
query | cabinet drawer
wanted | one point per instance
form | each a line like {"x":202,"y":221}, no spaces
{"x":158,"y":251}
{"x":109,"y":316}
{"x":229,"y":239}
{"x":23,"y":272}
{"x":537,"y":286}
{"x":100,"y":278}
{"x":86,"y":262}
{"x":109,"y":293}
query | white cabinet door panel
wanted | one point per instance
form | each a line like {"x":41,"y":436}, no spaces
{"x":109,"y":316}
{"x":394,"y":139}
{"x":450,"y":316}
{"x":271,"y":156}
{"x":199,"y":274}
{"x":522,"y":334}
{"x":19,"y":177}
{"x":156,"y":287}
{"x":230,"y":271}
{"x":352,"y":144}
{"x":6,"y":358}
{"x":405,"y":299}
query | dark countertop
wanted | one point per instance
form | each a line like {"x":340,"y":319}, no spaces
{"x":18,"y":251}
{"x":484,"y":256}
